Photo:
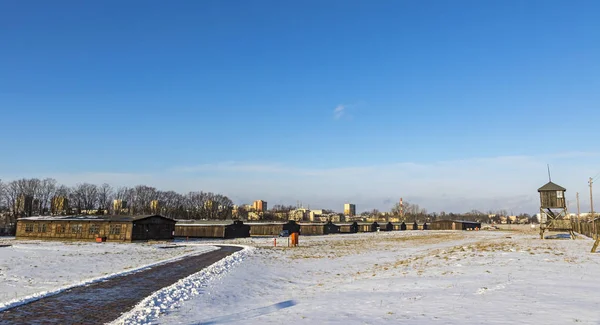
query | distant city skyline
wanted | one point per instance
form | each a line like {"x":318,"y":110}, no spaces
{"x":451,"y":105}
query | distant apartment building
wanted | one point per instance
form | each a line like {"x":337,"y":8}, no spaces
{"x":349,"y":209}
{"x":119,"y":206}
{"x":259,"y":206}
{"x":155,"y":206}
{"x":209,"y":204}
{"x":336,"y":218}
{"x":316,"y":215}
{"x":300,"y":214}
{"x":59,"y":205}
{"x":25,"y":204}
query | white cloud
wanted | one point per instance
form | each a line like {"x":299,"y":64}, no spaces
{"x":339,"y":111}
{"x":506,"y":182}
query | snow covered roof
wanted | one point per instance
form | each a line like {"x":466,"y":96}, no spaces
{"x":192,"y":224}
{"x":551,"y":187}
{"x":461,"y":221}
{"x":91,"y":218}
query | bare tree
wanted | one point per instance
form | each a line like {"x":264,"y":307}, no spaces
{"x":194,"y":204}
{"x":282,"y":208}
{"x":105,"y":194}
{"x":60,"y":200}
{"x":85,"y":197}
{"x":224,"y":207}
{"x":23,"y":197}
{"x":12,"y":192}
{"x":46,"y":191}
{"x":6,"y":220}
{"x":63,"y":191}
{"x":173,"y":204}
{"x":142,"y":197}
{"x":3,"y":204}
{"x":122,"y":194}
{"x":27,"y":189}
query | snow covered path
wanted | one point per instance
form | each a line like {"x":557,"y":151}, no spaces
{"x":105,"y":301}
{"x":415,"y":277}
{"x":30,"y":268}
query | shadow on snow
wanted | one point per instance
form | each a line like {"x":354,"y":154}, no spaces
{"x":249,"y":313}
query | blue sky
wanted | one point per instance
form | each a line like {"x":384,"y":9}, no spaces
{"x":272,"y":98}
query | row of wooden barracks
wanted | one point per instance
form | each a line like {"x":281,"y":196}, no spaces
{"x":157,"y":227}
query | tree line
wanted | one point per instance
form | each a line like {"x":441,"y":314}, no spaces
{"x":32,"y":196}
{"x":413,"y":212}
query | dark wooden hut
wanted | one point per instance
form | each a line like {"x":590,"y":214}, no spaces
{"x":389,"y":226}
{"x":292,"y":226}
{"x":454,"y":225}
{"x":107,"y":228}
{"x":226,"y":231}
{"x":237,"y":230}
{"x":374,"y":226}
{"x":331,"y":228}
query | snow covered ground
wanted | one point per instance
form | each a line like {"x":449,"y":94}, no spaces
{"x":414,"y":277}
{"x":185,"y":289}
{"x":30,"y":269}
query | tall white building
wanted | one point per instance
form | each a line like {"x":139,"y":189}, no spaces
{"x":349,"y":209}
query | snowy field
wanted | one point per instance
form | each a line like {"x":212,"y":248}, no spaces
{"x":412,"y":277}
{"x":32,"y":268}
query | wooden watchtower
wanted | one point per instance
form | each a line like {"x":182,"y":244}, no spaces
{"x":554,"y":206}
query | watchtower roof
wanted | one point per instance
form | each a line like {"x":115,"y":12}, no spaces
{"x":551,"y":187}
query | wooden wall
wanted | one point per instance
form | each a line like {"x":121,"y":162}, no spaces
{"x":200,"y":231}
{"x":365,"y":227}
{"x":345,"y":229}
{"x":550,"y":199}
{"x":312,"y":229}
{"x":444,"y":225}
{"x":153,"y":228}
{"x":265,"y":229}
{"x":73,"y":230}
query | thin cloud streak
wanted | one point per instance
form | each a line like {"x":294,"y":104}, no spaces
{"x":339,"y":111}
{"x":474,"y":165}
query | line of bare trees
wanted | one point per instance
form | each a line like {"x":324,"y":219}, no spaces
{"x":33,"y":196}
{"x":413,"y":212}
{"x":409,"y":212}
